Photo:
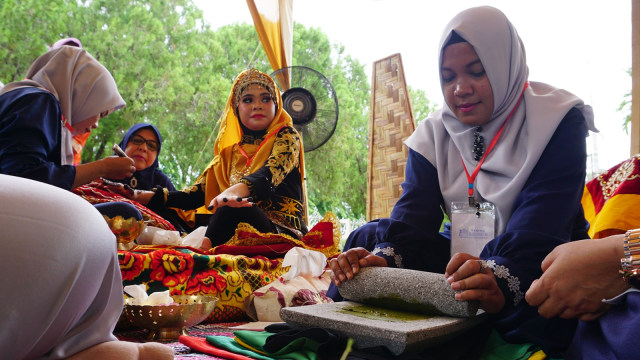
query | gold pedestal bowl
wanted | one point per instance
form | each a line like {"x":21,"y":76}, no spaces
{"x":167,"y":322}
{"x":125,"y":230}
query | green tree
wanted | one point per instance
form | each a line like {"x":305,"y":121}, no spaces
{"x":625,"y":108}
{"x":421,"y":106}
{"x":175,"y":72}
{"x":160,"y":54}
{"x":29,"y":27}
{"x":336,"y":171}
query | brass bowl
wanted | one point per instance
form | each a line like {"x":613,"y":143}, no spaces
{"x":125,"y":230}
{"x":167,"y":322}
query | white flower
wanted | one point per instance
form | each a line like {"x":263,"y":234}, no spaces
{"x":502,"y":272}
{"x":388,"y":251}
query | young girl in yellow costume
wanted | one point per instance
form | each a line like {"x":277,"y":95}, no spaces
{"x":256,"y":174}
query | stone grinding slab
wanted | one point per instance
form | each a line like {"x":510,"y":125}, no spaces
{"x":368,"y":326}
{"x":407,"y":290}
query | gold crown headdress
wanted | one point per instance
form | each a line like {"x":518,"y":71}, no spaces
{"x":251,"y":77}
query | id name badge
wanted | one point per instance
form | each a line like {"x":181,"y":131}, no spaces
{"x":472,"y":227}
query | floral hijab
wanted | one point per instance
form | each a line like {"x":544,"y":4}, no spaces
{"x":83,"y":87}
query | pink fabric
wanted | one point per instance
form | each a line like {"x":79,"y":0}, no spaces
{"x":66,"y":41}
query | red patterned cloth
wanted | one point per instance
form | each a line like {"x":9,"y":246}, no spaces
{"x":270,"y":251}
{"x":231,"y":277}
{"x":323,"y":237}
{"x":96,"y":193}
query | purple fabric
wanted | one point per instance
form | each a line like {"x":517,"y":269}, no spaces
{"x":612,"y":336}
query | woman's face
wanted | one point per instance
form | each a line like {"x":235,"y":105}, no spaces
{"x":143,"y":148}
{"x":256,"y":108}
{"x":465,"y":85}
{"x":86,"y":125}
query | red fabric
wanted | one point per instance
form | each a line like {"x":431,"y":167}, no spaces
{"x":623,"y":178}
{"x":320,"y":238}
{"x":201,"y":345}
{"x":96,"y":193}
{"x":271,"y":251}
{"x":145,"y":249}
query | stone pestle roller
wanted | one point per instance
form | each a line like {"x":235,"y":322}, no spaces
{"x":406,"y":290}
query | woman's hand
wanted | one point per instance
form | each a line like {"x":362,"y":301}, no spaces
{"x":234,"y":196}
{"x":346,"y":265}
{"x":577,"y":276}
{"x":116,"y":167}
{"x":472,"y":282}
{"x":112,"y":167}
{"x":118,"y":188}
{"x":142,"y":196}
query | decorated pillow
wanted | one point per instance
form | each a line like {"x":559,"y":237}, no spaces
{"x":265,"y":303}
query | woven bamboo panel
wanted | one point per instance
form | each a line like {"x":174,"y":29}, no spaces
{"x":391,"y":123}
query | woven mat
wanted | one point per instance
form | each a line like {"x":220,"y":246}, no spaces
{"x":390,"y":124}
{"x":182,"y":352}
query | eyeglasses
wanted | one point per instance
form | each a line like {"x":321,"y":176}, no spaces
{"x":139,"y":140}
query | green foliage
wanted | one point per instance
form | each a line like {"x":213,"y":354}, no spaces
{"x":625,"y":108}
{"x":28,"y":29}
{"x":421,"y":106}
{"x":175,"y":72}
{"x":336,"y":171}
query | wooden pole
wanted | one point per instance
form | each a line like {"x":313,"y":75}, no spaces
{"x":635,"y":77}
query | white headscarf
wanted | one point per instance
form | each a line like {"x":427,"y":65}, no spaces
{"x":83,"y":87}
{"x":444,"y":140}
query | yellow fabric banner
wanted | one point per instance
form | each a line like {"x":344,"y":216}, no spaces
{"x":274,"y":24}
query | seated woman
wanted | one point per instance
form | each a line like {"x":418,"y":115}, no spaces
{"x":258,"y":160}
{"x":143,"y":143}
{"x":65,"y":93}
{"x":511,"y":200}
{"x":63,"y":288}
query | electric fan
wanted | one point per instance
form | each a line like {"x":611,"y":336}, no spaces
{"x":311,"y":101}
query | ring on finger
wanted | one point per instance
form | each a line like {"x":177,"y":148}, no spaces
{"x":483,"y":265}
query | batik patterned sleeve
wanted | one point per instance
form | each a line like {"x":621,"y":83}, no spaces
{"x":284,"y":159}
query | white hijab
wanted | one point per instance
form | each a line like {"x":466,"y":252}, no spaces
{"x":83,"y":87}
{"x":443,"y":140}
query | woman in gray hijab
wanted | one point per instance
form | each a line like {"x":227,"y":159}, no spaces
{"x":62,"y":288}
{"x":505,"y":159}
{"x":65,"y":93}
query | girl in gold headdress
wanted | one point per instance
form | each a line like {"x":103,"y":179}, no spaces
{"x":256,"y":173}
